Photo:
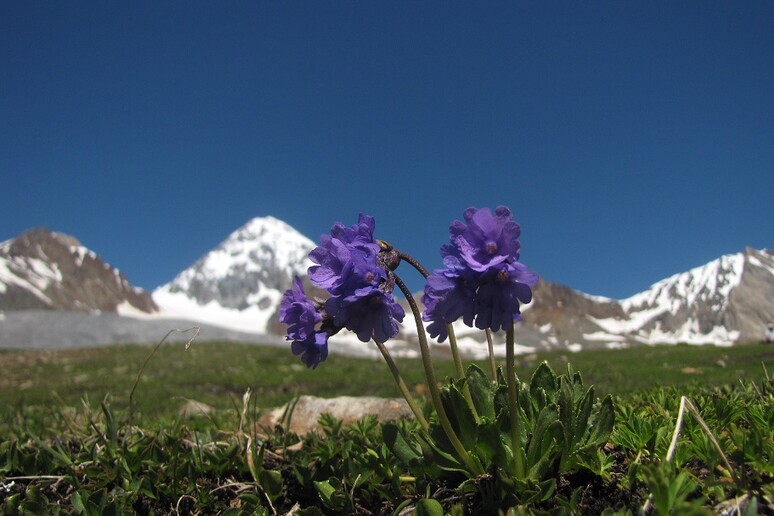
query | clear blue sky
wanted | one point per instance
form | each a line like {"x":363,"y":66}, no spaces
{"x":632,"y":140}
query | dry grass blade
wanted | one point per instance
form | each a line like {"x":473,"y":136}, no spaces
{"x":196,"y":330}
{"x":686,"y":404}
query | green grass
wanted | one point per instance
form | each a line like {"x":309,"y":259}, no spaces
{"x":218,"y":373}
{"x":65,"y":451}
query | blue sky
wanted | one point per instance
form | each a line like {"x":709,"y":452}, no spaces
{"x":631,"y":140}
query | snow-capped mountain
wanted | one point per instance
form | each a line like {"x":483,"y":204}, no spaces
{"x":240,"y":282}
{"x":237,"y":286}
{"x":41,"y":269}
{"x":727,"y":300}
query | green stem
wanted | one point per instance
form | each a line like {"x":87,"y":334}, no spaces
{"x":492,"y":365}
{"x":402,"y":386}
{"x":460,"y":370}
{"x":432,"y":383}
{"x":513,"y":401}
{"x":455,"y":352}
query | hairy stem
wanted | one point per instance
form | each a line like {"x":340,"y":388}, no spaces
{"x":432,"y":383}
{"x":460,"y":369}
{"x":492,"y":364}
{"x":402,"y":386}
{"x":411,"y":261}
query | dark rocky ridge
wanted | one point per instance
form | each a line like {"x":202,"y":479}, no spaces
{"x":42,"y":269}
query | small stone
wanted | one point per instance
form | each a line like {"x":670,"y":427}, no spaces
{"x":349,"y":409}
{"x":195,"y":408}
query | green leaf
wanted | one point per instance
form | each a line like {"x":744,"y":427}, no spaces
{"x":398,"y":445}
{"x":490,"y":446}
{"x":582,"y":414}
{"x":325,"y":490}
{"x":330,"y":496}
{"x":544,"y":378}
{"x":752,"y":507}
{"x":604,"y":422}
{"x":566,"y":406}
{"x":77,"y":502}
{"x":428,"y":507}
{"x":481,"y":391}
{"x":439,"y":457}
{"x":459,"y":414}
{"x":501,"y":400}
{"x":271,"y":481}
{"x":545,"y":443}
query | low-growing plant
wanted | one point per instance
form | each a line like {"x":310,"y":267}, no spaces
{"x":519,"y":435}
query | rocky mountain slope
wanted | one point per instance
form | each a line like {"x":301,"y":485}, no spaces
{"x":237,"y":286}
{"x":727,"y":300}
{"x":42,"y":269}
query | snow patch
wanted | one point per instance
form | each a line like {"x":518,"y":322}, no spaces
{"x":689,"y":333}
{"x":30,"y":274}
{"x":126,"y":309}
{"x":177,"y":305}
{"x":715,"y":279}
{"x":635,"y":321}
{"x":604,"y":336}
{"x":81,"y":253}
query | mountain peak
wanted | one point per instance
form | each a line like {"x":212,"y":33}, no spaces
{"x":706,"y":304}
{"x":241,"y":280}
{"x":713,"y":280}
{"x":50,"y":270}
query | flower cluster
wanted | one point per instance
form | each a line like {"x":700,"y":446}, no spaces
{"x":304,"y":319}
{"x":483,"y":281}
{"x":350,"y":266}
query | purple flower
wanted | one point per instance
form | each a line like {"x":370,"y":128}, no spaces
{"x":447,"y":298}
{"x":349,"y":266}
{"x":483,"y":281}
{"x":346,"y":252}
{"x":313,"y":351}
{"x":487,"y":240}
{"x":298,"y":312}
{"x":369,"y":312}
{"x":499,"y":295}
{"x":360,"y":234}
{"x":303,"y":318}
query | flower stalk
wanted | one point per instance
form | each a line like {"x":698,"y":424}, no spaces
{"x":458,"y":366}
{"x":460,"y":370}
{"x":490,"y":345}
{"x":435,"y":393}
{"x":402,"y":385}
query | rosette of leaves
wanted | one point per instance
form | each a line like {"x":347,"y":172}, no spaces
{"x":563,"y":429}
